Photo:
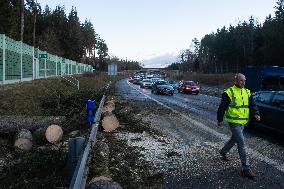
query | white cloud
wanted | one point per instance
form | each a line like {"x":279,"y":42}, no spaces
{"x":160,"y":61}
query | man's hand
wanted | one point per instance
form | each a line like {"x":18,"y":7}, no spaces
{"x":219,"y":124}
{"x":257,"y":117}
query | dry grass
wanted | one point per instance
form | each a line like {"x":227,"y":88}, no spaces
{"x":223,"y":80}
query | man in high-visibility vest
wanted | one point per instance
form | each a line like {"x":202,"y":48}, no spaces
{"x":237,"y":105}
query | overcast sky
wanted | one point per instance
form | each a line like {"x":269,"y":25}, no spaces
{"x":149,"y":29}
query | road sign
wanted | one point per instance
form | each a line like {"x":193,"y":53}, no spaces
{"x":43,"y":56}
{"x":112,"y":69}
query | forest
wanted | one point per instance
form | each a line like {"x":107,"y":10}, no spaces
{"x":58,"y":33}
{"x":230,"y":48}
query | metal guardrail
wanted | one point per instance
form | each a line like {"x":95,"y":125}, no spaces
{"x":72,"y":80}
{"x":81,"y":172}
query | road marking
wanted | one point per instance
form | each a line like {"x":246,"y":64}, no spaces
{"x":278,"y":165}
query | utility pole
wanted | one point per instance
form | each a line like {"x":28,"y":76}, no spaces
{"x":35,"y":14}
{"x":22,"y":20}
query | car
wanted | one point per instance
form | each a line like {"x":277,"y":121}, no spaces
{"x":146,"y":83}
{"x":271,"y":108}
{"x":162,"y":87}
{"x":130,"y":79}
{"x":188,"y":87}
{"x":174,"y":84}
{"x":137,"y":80}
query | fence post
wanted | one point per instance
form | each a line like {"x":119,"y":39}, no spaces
{"x":33,"y":71}
{"x":61,"y":62}
{"x":45,"y":67}
{"x":4,"y":61}
{"x":56,"y":65}
{"x":21,"y":61}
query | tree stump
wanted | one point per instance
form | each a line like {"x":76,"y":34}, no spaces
{"x":108,"y":108}
{"x":53,"y":134}
{"x":24,"y":140}
{"x":110,"y":122}
{"x":102,"y":182}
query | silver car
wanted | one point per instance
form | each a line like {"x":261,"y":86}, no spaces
{"x":146,"y":83}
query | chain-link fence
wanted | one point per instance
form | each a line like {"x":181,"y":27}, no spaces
{"x":21,"y":62}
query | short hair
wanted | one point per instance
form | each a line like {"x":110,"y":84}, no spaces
{"x":237,"y":75}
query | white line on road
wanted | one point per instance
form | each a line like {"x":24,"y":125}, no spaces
{"x":278,"y":165}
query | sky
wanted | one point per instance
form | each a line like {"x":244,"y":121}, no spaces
{"x":154,"y":32}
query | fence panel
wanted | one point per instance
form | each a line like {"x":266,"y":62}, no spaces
{"x":1,"y":56}
{"x":17,"y":62}
{"x":27,"y":61}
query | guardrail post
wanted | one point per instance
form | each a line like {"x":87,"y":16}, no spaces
{"x":75,"y":147}
{"x":56,"y":65}
{"x":4,"y":58}
{"x":21,"y":61}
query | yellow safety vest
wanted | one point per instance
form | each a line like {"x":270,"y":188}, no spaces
{"x":238,"y":110}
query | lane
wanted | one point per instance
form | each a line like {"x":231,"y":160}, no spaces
{"x":204,"y":108}
{"x":201,"y":104}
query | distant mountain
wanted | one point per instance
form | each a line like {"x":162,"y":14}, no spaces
{"x":160,"y":61}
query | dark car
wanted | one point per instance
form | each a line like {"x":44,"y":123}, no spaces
{"x":271,"y":108}
{"x":162,"y":87}
{"x":188,"y":87}
{"x":174,"y":84}
{"x":130,"y":79}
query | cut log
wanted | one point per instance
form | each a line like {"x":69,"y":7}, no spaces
{"x":103,"y":182}
{"x":110,"y":122}
{"x":108,"y":107}
{"x":53,"y":134}
{"x":110,"y":102}
{"x":24,"y":140}
{"x":11,"y":124}
{"x":39,"y":136}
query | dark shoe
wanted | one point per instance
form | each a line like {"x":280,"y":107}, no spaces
{"x":248,"y":173}
{"x":225,"y":157}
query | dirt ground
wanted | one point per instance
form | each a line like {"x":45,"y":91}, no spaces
{"x":153,"y":147}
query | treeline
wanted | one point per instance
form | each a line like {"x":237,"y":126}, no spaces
{"x":229,"y":49}
{"x":56,"y":32}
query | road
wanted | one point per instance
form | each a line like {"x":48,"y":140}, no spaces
{"x":193,"y":121}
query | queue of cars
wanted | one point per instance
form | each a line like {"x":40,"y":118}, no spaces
{"x":159,"y":85}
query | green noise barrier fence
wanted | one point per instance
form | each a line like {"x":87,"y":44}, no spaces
{"x":21,"y":62}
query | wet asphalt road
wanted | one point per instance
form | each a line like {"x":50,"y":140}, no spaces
{"x":265,"y":147}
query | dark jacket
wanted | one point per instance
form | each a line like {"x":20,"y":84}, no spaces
{"x":225,"y":102}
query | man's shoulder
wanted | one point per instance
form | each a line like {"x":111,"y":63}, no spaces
{"x":247,"y":90}
{"x":229,"y":89}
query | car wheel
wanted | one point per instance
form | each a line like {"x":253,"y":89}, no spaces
{"x":171,"y":94}
{"x":196,"y":93}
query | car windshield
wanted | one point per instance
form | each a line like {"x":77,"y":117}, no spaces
{"x":161,"y":83}
{"x":172,"y":82}
{"x":191,"y":83}
{"x":146,"y":80}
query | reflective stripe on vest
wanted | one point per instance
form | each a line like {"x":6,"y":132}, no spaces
{"x":238,"y":110}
